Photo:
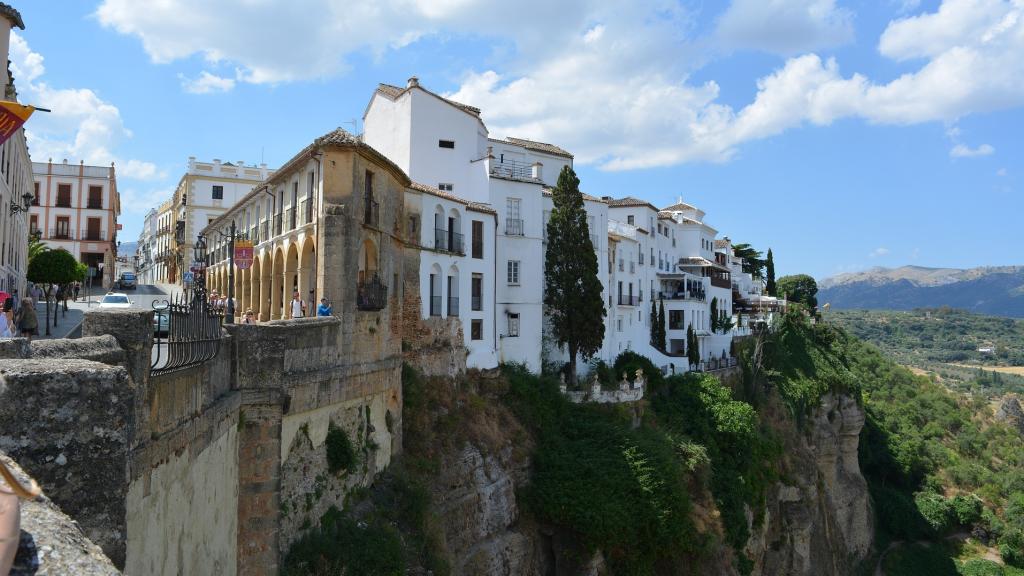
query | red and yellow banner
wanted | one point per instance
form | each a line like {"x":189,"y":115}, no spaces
{"x":12,"y":116}
{"x":243,"y":254}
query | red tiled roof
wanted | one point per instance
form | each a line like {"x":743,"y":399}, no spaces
{"x":394,"y":92}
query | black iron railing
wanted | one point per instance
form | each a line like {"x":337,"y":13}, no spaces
{"x":455,"y":243}
{"x":512,"y":169}
{"x":278,"y":221}
{"x":186,"y":330}
{"x":453,"y":305}
{"x":371,"y":294}
{"x":513,"y":226}
{"x":435,"y":305}
{"x":265,"y":230}
{"x":627,"y":300}
{"x":61,"y":234}
{"x":477,"y":303}
{"x":289,"y":217}
{"x":440,"y":239}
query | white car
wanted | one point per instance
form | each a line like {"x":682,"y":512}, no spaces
{"x":115,"y":300}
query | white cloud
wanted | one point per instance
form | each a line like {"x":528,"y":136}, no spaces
{"x":610,"y":80}
{"x":964,"y":151}
{"x":785,"y":26}
{"x":206,"y":83}
{"x":1001,"y":172}
{"x":81,"y":126}
{"x":878,"y":252}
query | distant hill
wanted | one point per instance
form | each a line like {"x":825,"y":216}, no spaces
{"x":997,"y":291}
{"x":127,"y":249}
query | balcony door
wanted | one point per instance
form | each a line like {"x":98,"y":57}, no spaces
{"x":93,"y":230}
{"x":63,"y":230}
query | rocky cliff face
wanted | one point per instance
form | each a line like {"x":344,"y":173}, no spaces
{"x":819,"y":519}
{"x":1010,"y":411}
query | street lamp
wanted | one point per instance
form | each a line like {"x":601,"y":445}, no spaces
{"x":231,"y":237}
{"x":26,"y":199}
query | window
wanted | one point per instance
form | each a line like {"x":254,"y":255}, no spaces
{"x":33,"y":223}
{"x":64,"y":195}
{"x":92,"y":231}
{"x":445,"y":187}
{"x":675,"y":319}
{"x":218,"y":192}
{"x":513,"y":218}
{"x":478,"y":239}
{"x":477,"y":289}
{"x":476,"y":330}
{"x":96,"y":197}
{"x":446,"y":143}
{"x":35,"y":199}
{"x":513,"y":272}
{"x":629,"y":219}
{"x":513,"y":325}
{"x":63,"y":230}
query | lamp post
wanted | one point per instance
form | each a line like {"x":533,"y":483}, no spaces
{"x":199,"y":276}
{"x":26,"y":200}
{"x":231,"y":237}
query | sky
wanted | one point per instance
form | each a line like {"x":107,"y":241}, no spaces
{"x":841,"y":134}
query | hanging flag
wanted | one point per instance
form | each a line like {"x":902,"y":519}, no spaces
{"x":12,"y":116}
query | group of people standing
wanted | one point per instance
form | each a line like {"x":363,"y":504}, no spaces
{"x":296,"y":309}
{"x":18,"y":317}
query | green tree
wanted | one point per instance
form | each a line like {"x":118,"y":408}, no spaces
{"x":36,"y":247}
{"x":753,"y":262}
{"x":654,"y":322}
{"x":692,"y":346}
{"x":714,"y":314}
{"x":661,"y":326}
{"x":52,"y":267}
{"x":769,"y":265}
{"x":799,"y":288}
{"x":572,"y":295}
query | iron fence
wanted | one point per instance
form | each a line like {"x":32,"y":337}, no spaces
{"x":186,"y":331}
{"x":513,"y":227}
{"x":371,"y":294}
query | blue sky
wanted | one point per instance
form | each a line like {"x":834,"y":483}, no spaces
{"x":842,"y":134}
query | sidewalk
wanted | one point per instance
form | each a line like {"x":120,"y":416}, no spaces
{"x":68,"y":325}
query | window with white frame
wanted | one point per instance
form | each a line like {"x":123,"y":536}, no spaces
{"x":513,"y":272}
{"x":445,"y":186}
{"x":513,"y":325}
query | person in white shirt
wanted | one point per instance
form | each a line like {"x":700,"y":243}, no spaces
{"x":298,"y":306}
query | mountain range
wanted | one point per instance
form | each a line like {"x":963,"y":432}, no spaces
{"x":994,"y":290}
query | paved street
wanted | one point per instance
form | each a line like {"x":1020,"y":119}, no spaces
{"x":69,"y":323}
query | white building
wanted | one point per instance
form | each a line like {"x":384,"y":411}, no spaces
{"x":15,"y":180}
{"x":145,"y":262}
{"x":205,"y":191}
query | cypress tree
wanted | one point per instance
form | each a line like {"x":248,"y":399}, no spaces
{"x":572,"y":294}
{"x":770,"y":273}
{"x":661,"y":326}
{"x":714,"y":314}
{"x":654,"y":322}
{"x":692,"y":351}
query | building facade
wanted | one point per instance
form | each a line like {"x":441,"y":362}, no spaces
{"x":15,"y":179}
{"x":76,"y":208}
{"x":206,"y":191}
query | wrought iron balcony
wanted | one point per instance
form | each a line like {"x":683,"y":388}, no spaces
{"x":513,"y":226}
{"x":435,"y":305}
{"x":289,"y":217}
{"x":453,"y":306}
{"x":371,"y":294}
{"x":512,"y":169}
{"x":61,"y":234}
{"x":627,"y":300}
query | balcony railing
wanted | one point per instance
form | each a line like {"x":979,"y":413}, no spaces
{"x":513,"y":226}
{"x":455,"y":243}
{"x":627,"y":300}
{"x":94,"y":235}
{"x":477,"y":303}
{"x":278,"y":221}
{"x":696,"y":295}
{"x":720,"y":282}
{"x":306,"y":210}
{"x":61,"y":234}
{"x":371,"y":294}
{"x":63,"y":203}
{"x":512,"y":169}
{"x":453,"y":306}
{"x":435,"y":305}
{"x":289,"y":217}
{"x":95,"y":205}
{"x":371,"y":212}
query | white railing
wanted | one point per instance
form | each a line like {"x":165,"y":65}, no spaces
{"x":622,"y":229}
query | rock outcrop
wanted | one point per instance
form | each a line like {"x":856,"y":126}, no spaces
{"x":821,"y":521}
{"x":1011,"y":413}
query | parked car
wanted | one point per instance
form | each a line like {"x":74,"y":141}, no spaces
{"x":126,"y":281}
{"x":161,"y":322}
{"x":115,"y":300}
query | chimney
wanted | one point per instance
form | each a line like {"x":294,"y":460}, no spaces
{"x":9,"y":18}
{"x":413,"y":81}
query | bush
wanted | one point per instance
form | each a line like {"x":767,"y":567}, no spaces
{"x":340,"y":454}
{"x":936,"y":510}
{"x":340,"y":545}
{"x":630,"y":361}
{"x":919,"y":560}
{"x":966,"y":509}
{"x":981,"y":567}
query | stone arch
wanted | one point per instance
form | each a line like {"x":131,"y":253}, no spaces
{"x":266,"y":286}
{"x":252,"y":291}
{"x":369,"y":259}
{"x":277,"y":285}
{"x":307,"y":271}
{"x":291,"y":275}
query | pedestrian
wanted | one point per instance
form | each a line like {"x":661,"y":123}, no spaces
{"x":7,"y":329}
{"x":250,"y":317}
{"x":26,"y":319}
{"x":298,"y":306}
{"x":77,"y":288}
{"x":15,"y":298}
{"x":60,"y":298}
{"x":10,"y":514}
{"x":324,"y":309}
